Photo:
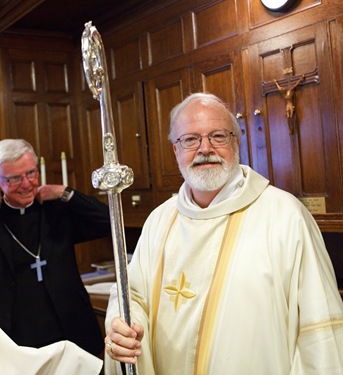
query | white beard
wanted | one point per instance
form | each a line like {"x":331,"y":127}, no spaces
{"x":209,"y":179}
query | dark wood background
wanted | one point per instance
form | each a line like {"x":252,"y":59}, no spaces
{"x":157,"y":53}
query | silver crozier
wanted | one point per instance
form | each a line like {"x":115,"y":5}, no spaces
{"x":112,"y":177}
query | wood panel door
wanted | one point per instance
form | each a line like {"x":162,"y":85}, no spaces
{"x":130,"y":128}
{"x":131,"y":133}
{"x":223,"y":77}
{"x":162,"y":94}
{"x":291,"y":80}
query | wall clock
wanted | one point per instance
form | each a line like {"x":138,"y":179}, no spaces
{"x":277,"y":5}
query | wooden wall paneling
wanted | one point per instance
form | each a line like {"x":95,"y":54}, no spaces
{"x":40,"y":94}
{"x":224,"y":78}
{"x":137,"y":205}
{"x":23,"y":75}
{"x":335,"y":32}
{"x":162,"y":94}
{"x":256,"y":128}
{"x":11,"y":11}
{"x":124,"y":58}
{"x":25,"y":124}
{"x":130,"y":127}
{"x":59,"y":127}
{"x":56,"y":76}
{"x":85,"y":103}
{"x":4,"y":86}
{"x":131,"y":134}
{"x":24,"y":119}
{"x":166,"y":41}
{"x":42,"y":106}
{"x":259,"y":15}
{"x":160,"y":47}
{"x":93,"y":152}
{"x":284,"y":147}
{"x":148,"y":41}
{"x":328,"y":114}
{"x":302,"y":161}
{"x":88,"y":152}
{"x":214,"y":21}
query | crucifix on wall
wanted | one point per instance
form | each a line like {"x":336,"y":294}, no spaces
{"x":287,"y":86}
{"x":287,"y":92}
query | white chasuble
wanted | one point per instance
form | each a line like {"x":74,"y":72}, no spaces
{"x":243,"y":287}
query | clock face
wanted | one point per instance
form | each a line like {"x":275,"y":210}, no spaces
{"x":276,"y":5}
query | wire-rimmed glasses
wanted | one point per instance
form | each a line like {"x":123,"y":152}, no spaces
{"x":217,"y":138}
{"x":16,"y":180}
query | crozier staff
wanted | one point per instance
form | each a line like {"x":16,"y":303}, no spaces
{"x":231,"y":276}
{"x":43,"y":299}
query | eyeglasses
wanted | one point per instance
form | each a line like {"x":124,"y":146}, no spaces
{"x":217,"y":138}
{"x":16,"y":180}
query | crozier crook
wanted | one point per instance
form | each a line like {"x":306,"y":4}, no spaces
{"x":112,"y":177}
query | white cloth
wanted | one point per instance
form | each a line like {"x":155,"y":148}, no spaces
{"x":99,"y":288}
{"x":263,"y":302}
{"x":60,"y":358}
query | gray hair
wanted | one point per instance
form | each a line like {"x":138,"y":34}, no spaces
{"x":13,"y":149}
{"x":200,"y":96}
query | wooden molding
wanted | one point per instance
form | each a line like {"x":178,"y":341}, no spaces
{"x":12,"y":11}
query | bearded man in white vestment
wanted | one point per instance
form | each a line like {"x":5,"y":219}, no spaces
{"x":230,"y":277}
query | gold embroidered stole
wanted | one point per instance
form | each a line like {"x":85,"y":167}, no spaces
{"x":214,"y":293}
{"x":158,"y":285}
{"x":203,"y":352}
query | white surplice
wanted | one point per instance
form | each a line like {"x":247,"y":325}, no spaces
{"x":60,"y":358}
{"x":243,"y":287}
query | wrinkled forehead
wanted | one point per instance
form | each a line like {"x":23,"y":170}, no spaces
{"x":22,"y":164}
{"x":202,"y":113}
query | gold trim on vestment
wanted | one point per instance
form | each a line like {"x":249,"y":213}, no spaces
{"x":203,"y":352}
{"x":158,"y":286}
{"x":202,"y":355}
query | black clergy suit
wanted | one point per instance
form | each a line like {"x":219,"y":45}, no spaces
{"x":57,"y":308}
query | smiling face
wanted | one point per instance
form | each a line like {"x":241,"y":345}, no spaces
{"x":205,"y":168}
{"x":24,"y":192}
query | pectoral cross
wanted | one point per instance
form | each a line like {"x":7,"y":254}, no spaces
{"x":287,"y":85}
{"x":38,"y":265}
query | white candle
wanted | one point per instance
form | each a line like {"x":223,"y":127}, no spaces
{"x":42,"y":171}
{"x":64,"y":169}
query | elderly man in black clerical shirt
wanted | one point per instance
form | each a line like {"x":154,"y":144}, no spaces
{"x":43,"y":299}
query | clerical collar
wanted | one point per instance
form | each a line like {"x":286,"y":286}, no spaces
{"x":21,"y":209}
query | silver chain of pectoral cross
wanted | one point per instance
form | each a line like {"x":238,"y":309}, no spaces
{"x":22,"y":245}
{"x":38,"y":263}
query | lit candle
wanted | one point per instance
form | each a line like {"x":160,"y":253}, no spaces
{"x":64,"y":169}
{"x":42,"y":171}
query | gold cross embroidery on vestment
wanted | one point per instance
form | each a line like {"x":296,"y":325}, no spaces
{"x":179,"y":291}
